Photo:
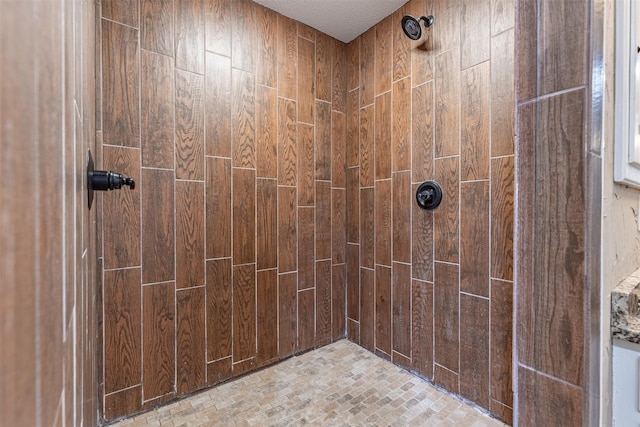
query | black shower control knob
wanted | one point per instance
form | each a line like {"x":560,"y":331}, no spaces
{"x":107,"y":180}
{"x":429,"y":195}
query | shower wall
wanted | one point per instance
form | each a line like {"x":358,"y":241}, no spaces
{"x":433,"y":290}
{"x":230,"y":254}
{"x":48,"y":359}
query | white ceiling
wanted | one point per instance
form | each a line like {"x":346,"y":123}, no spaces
{"x":342,"y":19}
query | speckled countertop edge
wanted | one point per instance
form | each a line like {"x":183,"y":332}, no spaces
{"x":625,"y":309}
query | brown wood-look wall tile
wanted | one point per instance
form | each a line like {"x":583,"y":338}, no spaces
{"x":306,"y":80}
{"x":122,"y":238}
{"x":156,"y":25}
{"x":157,"y":110}
{"x":306,"y":249}
{"x":125,"y":12}
{"x":353,"y":129}
{"x":557,"y":403}
{"x":422,"y":132}
{"x":353,"y":282}
{"x":307,"y":32}
{"x":502,"y":94}
{"x":288,"y":316}
{"x":401,"y":44}
{"x":401,"y":214}
{"x":159,"y":332}
{"x":382,"y":137}
{"x":367,"y":308}
{"x":446,"y":218}
{"x":189,"y":234}
{"x":287,"y":57}
{"x":190,"y":340}
{"x":338,"y":301}
{"x":422,"y":328}
{"x":287,"y":142}
{"x":502,"y":16}
{"x":527,"y":194}
{"x":267,"y":308}
{"x":243,"y":126}
{"x":559,"y":258}
{"x":219,"y":371}
{"x":218,"y":26}
{"x":353,"y":331}
{"x":324,"y":56}
{"x":189,"y":133}
{"x":475,"y":121}
{"x":383,"y":309}
{"x":287,"y":229}
{"x":446,"y":35}
{"x":367,"y":159}
{"x":422,"y":241}
{"x":383,"y":52}
{"x":401,"y":146}
{"x":244,"y":216}
{"x":447,"y":102}
{"x":121,"y":326}
{"x":189,"y":38}
{"x":401,"y":310}
{"x":267,"y":44}
{"x":353,"y":205}
{"x":338,"y":149}
{"x":501,"y":328}
{"x":306,"y":319}
{"x":383,"y":222}
{"x":339,"y":78}
{"x":219,"y":310}
{"x":475,"y":34}
{"x":563,"y":39}
{"x":323,"y":302}
{"x":527,"y":48}
{"x":267,"y":223}
{"x":367,"y":227}
{"x":306,"y":168}
{"x":446,"y":318}
{"x":323,"y":140}
{"x":502,"y":199}
{"x":446,"y":379}
{"x":367,"y":70}
{"x":353,"y":64}
{"x":122,"y":403}
{"x":474,"y":238}
{"x":266,"y":132}
{"x":243,"y":42}
{"x":158,"y":225}
{"x":218,"y":207}
{"x":244,"y":312}
{"x":474,"y":349}
{"x":501,"y":412}
{"x":120,"y":85}
{"x":338,"y":225}
{"x":218,"y":105}
{"x":323,"y":220}
{"x":421,"y":57}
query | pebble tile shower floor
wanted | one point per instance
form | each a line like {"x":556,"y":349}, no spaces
{"x":337,"y":385}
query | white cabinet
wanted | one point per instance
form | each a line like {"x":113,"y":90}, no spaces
{"x":626,"y":384}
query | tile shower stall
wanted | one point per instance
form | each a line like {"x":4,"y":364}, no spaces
{"x":275,"y":210}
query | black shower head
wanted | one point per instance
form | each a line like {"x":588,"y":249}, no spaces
{"x":411,"y":25}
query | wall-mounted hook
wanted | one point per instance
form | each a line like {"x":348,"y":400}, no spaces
{"x":104,"y":180}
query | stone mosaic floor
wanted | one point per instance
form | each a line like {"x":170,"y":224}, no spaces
{"x":337,"y":385}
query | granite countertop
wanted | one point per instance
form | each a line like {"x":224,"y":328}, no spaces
{"x":625,"y":309}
